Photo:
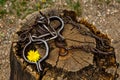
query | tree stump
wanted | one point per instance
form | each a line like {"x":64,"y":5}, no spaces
{"x":89,"y":55}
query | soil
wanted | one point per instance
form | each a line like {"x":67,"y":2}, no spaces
{"x":106,"y":17}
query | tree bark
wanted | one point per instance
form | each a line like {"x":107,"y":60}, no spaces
{"x":78,"y":64}
{"x":19,"y":70}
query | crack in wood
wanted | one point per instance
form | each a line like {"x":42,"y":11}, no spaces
{"x":79,"y":41}
{"x":57,"y":61}
{"x":65,"y":67}
{"x":77,"y":61}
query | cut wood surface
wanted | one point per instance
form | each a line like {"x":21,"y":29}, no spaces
{"x":77,"y":64}
{"x":76,"y":59}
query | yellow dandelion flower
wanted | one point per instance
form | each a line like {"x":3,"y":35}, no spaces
{"x":33,"y":56}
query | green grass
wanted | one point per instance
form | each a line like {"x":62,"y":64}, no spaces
{"x":2,"y":12}
{"x":76,"y":6}
{"x":118,"y":1}
{"x":21,"y":8}
{"x":2,"y":34}
{"x":2,"y":2}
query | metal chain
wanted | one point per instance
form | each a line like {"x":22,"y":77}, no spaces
{"x":40,"y":39}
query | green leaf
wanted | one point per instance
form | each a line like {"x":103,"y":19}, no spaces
{"x":2,"y":2}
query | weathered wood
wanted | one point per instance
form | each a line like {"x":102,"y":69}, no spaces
{"x":20,"y":69}
{"x":77,"y":64}
{"x":76,"y":59}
